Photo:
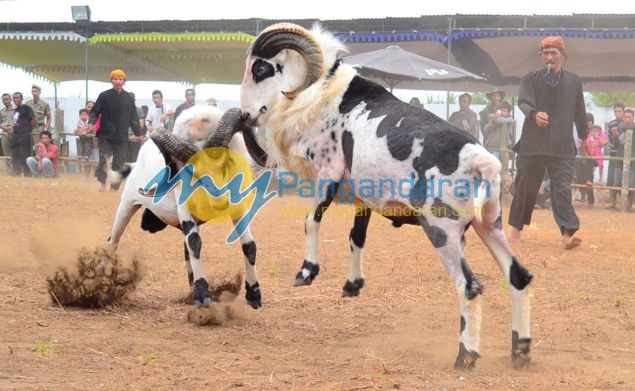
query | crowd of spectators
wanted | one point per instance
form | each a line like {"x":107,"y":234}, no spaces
{"x":28,"y":138}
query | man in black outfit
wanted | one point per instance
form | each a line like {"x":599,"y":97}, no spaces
{"x":552,"y":101}
{"x":24,"y":121}
{"x":118,"y":113}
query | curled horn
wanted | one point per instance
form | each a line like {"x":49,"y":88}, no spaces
{"x":281,"y":36}
{"x":230,"y":123}
{"x":255,"y":151}
{"x":169,"y":144}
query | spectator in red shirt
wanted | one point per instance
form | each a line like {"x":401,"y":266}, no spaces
{"x":45,"y":163}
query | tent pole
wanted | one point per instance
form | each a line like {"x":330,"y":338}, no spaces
{"x":447,"y":85}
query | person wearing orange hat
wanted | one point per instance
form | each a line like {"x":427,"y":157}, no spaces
{"x":552,"y":100}
{"x":118,"y":113}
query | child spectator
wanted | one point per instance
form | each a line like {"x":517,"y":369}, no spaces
{"x":85,"y":141}
{"x":45,"y":164}
{"x":499,"y":130}
{"x":584,"y":167}
{"x":595,"y":144}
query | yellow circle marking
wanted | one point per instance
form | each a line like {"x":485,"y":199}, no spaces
{"x":222,"y":165}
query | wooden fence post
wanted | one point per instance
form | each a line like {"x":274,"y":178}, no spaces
{"x":626,"y":166}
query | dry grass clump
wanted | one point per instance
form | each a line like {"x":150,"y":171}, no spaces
{"x":93,"y":286}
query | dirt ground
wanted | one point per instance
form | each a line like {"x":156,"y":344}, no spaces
{"x":401,"y":333}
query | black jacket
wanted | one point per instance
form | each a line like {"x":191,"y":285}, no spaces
{"x":564,"y":104}
{"x":118,"y":113}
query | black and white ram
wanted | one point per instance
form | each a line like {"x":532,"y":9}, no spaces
{"x":199,"y":127}
{"x":333,"y":126}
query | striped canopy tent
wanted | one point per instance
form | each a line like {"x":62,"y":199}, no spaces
{"x":59,"y":56}
{"x":194,"y":58}
{"x":190,"y":58}
{"x":602,"y":57}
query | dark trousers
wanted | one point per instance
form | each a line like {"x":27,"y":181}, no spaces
{"x":531,"y":170}
{"x":133,"y":151}
{"x":21,"y":149}
{"x":118,"y":149}
{"x":584,"y":171}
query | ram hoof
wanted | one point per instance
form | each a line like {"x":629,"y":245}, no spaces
{"x":351,"y":289}
{"x":253,"y":297}
{"x":204,"y":304}
{"x":299,"y":280}
{"x":465,"y":359}
{"x":202,"y":296}
{"x":313,"y":271}
{"x":521,"y":351}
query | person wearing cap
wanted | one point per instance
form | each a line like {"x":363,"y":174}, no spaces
{"x":211,"y":102}
{"x":6,"y":125}
{"x":488,"y":114}
{"x":552,"y":100}
{"x":118,"y":113}
{"x":499,"y":131}
{"x":42,"y":112}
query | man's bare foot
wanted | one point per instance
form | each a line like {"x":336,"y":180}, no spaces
{"x":102,"y":188}
{"x":514,"y":236}
{"x":570,"y":242}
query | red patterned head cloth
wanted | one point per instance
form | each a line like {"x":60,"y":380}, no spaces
{"x":553,"y":42}
{"x":118,"y":73}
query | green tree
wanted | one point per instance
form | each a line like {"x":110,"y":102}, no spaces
{"x":479,"y":98}
{"x":607,"y":99}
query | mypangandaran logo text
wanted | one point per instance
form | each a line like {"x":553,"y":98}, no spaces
{"x":347,"y":190}
{"x":217,"y":185}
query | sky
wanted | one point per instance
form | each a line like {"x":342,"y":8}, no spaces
{"x":122,"y":10}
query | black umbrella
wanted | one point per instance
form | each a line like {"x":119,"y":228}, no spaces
{"x":394,"y":65}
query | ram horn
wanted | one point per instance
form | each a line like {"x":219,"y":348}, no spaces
{"x":258,"y":154}
{"x":171,"y":145}
{"x":230,"y":123}
{"x":281,"y":36}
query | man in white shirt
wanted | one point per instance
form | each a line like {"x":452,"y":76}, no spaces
{"x":159,"y":113}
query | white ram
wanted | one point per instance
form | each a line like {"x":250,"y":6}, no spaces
{"x":198,"y":126}
{"x":354,"y":138}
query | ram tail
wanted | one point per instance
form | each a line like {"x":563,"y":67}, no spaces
{"x":489,"y":185}
{"x":118,"y":176}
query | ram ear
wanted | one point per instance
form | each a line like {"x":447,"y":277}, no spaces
{"x":277,"y":37}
